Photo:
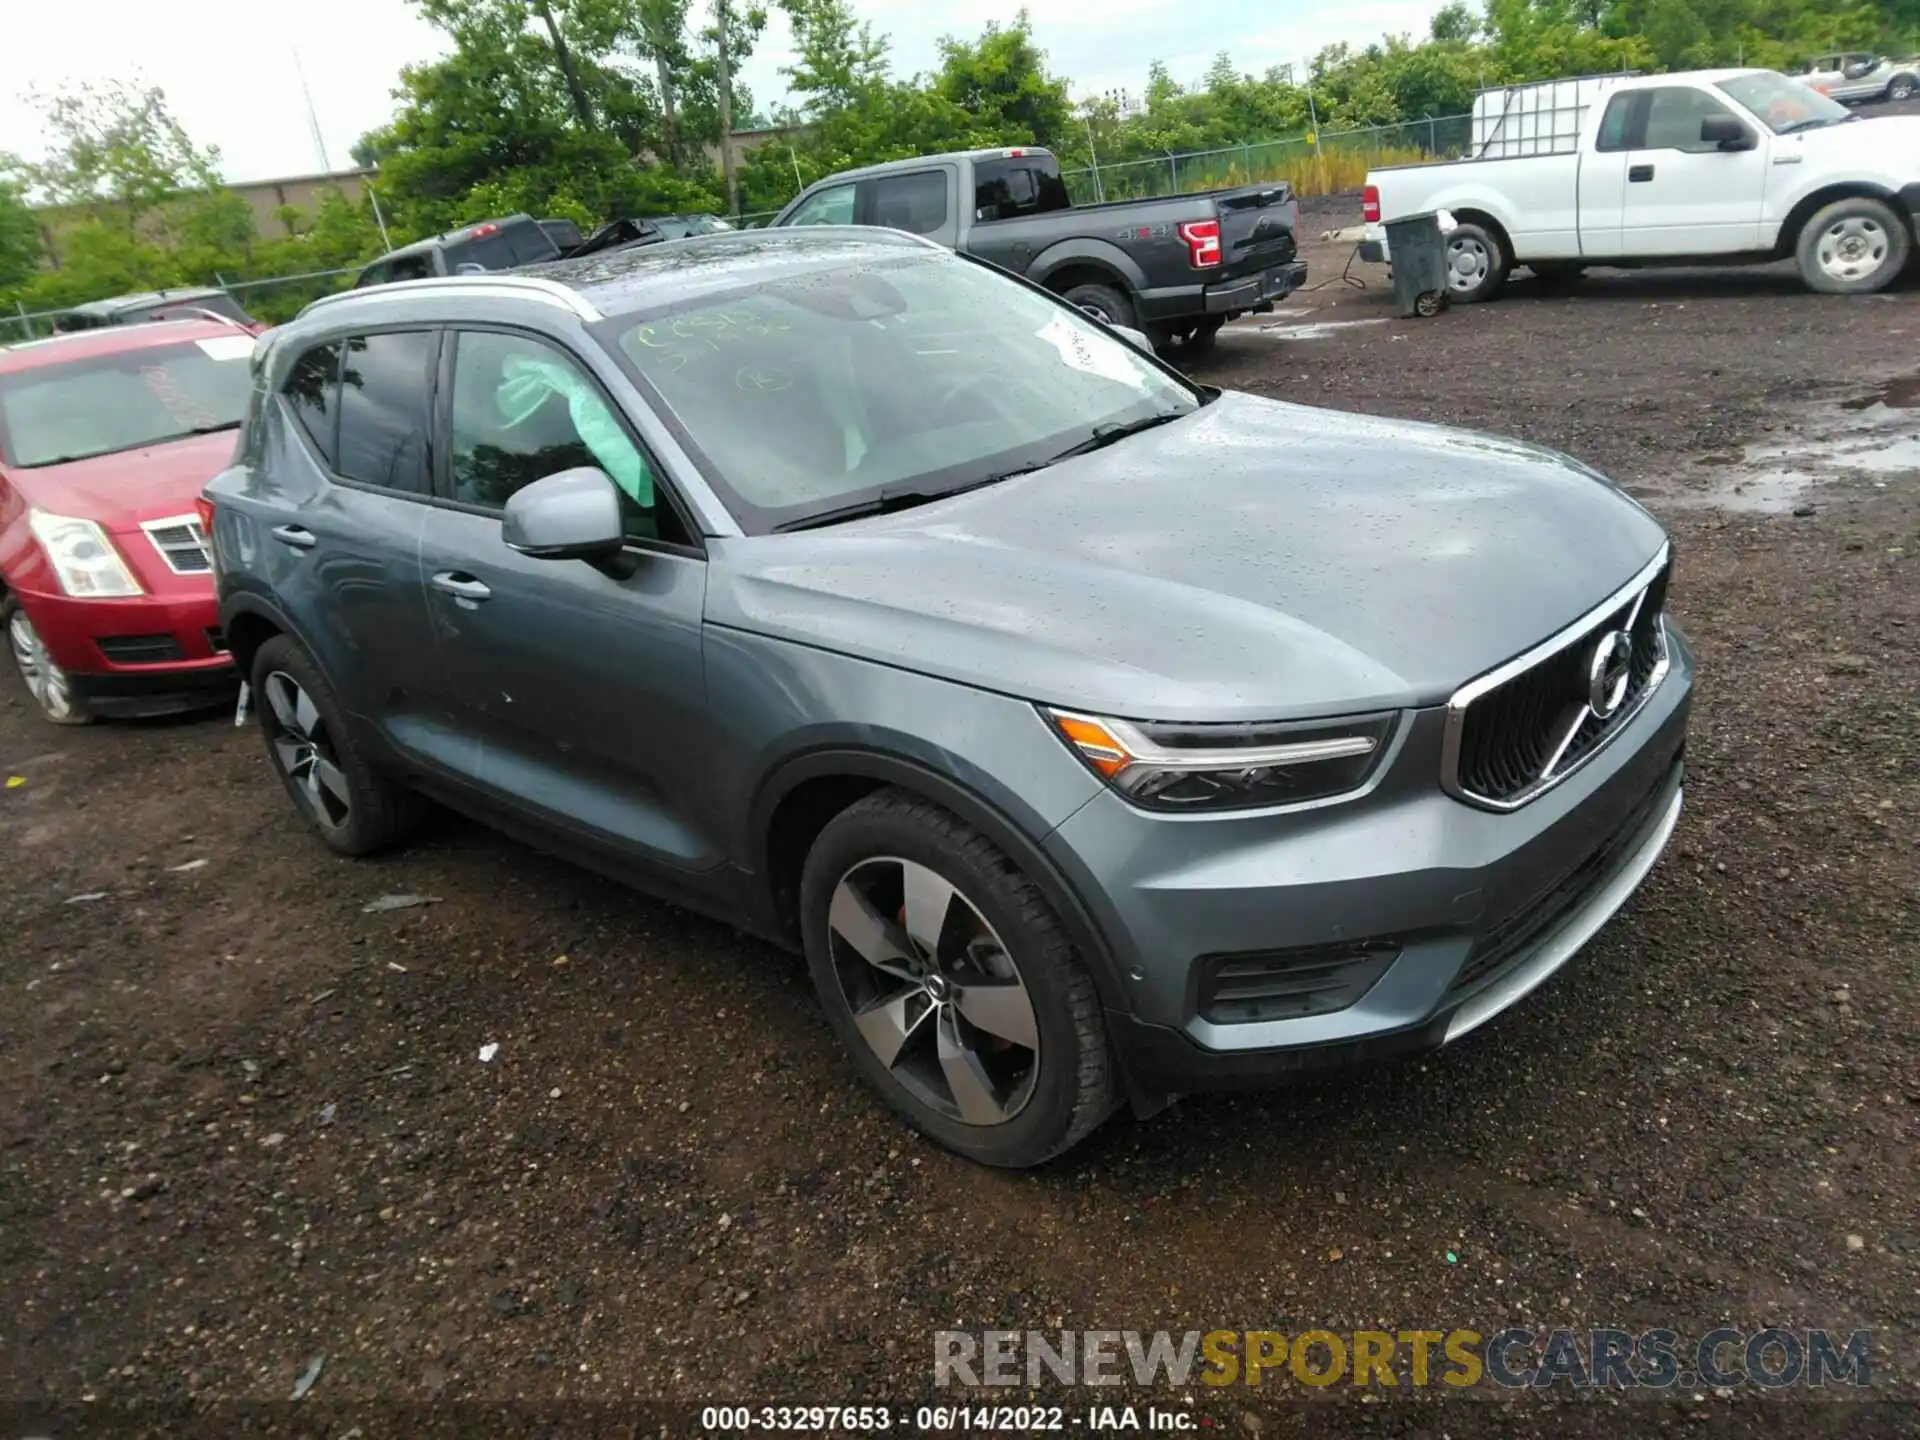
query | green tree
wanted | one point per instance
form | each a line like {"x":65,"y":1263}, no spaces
{"x":117,"y":145}
{"x":20,"y":248}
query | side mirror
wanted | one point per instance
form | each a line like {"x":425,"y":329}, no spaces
{"x":571,"y":515}
{"x":1725,"y":132}
{"x":1133,"y":337}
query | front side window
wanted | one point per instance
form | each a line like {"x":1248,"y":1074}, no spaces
{"x":809,"y":392}
{"x":108,"y":403}
{"x":1785,"y":106}
{"x":385,"y":411}
{"x":916,"y":203}
{"x":1674,"y":114}
{"x":418,"y":266}
{"x":831,"y":206}
{"x":523,"y":410}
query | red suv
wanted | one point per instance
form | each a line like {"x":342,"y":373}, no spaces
{"x":106,"y":578}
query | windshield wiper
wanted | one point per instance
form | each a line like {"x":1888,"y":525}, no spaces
{"x":1816,"y":122}
{"x":883,"y":503}
{"x":1105,"y":435}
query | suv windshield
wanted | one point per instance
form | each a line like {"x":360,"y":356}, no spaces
{"x":902,"y":379}
{"x":1785,"y":105}
{"x":55,"y":413}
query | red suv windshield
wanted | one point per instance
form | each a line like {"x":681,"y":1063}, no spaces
{"x":107,"y":403}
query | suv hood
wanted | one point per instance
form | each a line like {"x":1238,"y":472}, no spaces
{"x":120,"y":490}
{"x":1256,"y":560}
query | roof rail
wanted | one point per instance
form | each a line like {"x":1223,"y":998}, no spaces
{"x":526,"y":287}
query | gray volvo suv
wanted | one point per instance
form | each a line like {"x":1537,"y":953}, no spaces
{"x":1097,"y":735}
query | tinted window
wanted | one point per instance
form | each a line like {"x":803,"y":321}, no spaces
{"x":1615,"y":124}
{"x":313,"y":394}
{"x":385,"y":411}
{"x":832,"y":206}
{"x":1018,"y":185}
{"x":374,"y":274}
{"x":529,"y":243}
{"x":489,"y":252}
{"x":417,"y":266}
{"x":916,"y":203}
{"x":55,"y":413}
{"x":523,"y":410}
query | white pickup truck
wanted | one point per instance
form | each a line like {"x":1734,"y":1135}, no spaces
{"x":1704,"y":167}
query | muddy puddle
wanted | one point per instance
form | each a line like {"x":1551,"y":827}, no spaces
{"x":1870,"y":439}
{"x":1301,"y":329}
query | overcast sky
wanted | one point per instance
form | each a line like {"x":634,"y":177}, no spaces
{"x":229,"y":70}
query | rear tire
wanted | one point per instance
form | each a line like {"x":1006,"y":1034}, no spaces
{"x":1106,"y":303}
{"x":1853,"y":247}
{"x":1477,"y":264}
{"x":311,"y":747}
{"x":1032,"y":1079}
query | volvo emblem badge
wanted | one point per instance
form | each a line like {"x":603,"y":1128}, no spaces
{"x":1609,"y":673}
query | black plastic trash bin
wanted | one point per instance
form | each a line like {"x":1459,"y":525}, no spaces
{"x":1418,"y":253}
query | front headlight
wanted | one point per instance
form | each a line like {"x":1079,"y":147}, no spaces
{"x":88,"y":566}
{"x":1169,"y":766}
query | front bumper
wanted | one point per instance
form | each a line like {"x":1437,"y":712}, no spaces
{"x":1476,"y":909}
{"x":146,"y":656}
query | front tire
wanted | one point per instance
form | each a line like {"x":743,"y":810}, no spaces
{"x":1853,"y":247}
{"x":310,"y":745}
{"x":50,"y":686}
{"x":1477,"y":264}
{"x":951,"y":982}
{"x":1901,"y":87}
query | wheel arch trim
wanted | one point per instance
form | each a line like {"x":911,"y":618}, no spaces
{"x":969,"y":805}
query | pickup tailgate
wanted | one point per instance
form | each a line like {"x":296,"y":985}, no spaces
{"x":1258,"y":228}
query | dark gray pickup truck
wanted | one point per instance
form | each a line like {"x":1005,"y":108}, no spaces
{"x":1178,"y":267}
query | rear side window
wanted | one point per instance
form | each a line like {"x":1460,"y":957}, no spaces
{"x":313,"y":394}
{"x":385,"y":410}
{"x":916,"y":203}
{"x":1616,"y":125}
{"x":530,"y":243}
{"x":1017,"y":185}
{"x":418,"y":266}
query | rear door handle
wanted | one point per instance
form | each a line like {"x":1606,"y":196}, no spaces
{"x":1639,"y":173}
{"x":460,"y":585}
{"x":298,"y":536}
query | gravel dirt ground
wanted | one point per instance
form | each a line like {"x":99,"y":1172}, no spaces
{"x":244,"y":1123}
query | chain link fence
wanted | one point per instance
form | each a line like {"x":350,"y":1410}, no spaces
{"x":1322,"y":164}
{"x":273,"y":299}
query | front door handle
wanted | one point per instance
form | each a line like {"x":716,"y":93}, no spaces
{"x":460,"y":585}
{"x":298,"y":536}
{"x":1639,"y":173}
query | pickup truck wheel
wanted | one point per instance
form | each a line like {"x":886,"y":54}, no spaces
{"x":1900,"y":88}
{"x":1201,"y":337}
{"x":1853,"y":247}
{"x":1104,"y":303}
{"x":1476,"y":264}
